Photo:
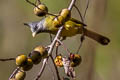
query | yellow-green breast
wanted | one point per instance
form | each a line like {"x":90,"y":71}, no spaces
{"x":71,"y":28}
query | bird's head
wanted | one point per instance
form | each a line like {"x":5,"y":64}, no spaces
{"x":36,"y":27}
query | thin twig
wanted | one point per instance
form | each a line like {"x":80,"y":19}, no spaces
{"x":80,"y":44}
{"x":50,"y":37}
{"x":39,"y":1}
{"x":39,"y":8}
{"x":31,"y":3}
{"x":66,"y":49}
{"x":41,"y":70}
{"x":71,"y":4}
{"x":56,"y":69}
{"x":52,"y":45}
{"x":82,"y":18}
{"x":9,"y":59}
{"x":50,"y":68}
{"x":57,"y":47}
{"x":35,"y":1}
{"x":86,"y":9}
{"x":14,"y":72}
{"x":79,"y":13}
{"x":49,"y":53}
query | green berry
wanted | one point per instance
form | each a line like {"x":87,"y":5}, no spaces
{"x":20,"y":75}
{"x":42,"y":51}
{"x":28,"y":65}
{"x":75,"y":60}
{"x":21,"y":60}
{"x":35,"y":56}
{"x":40,"y":10}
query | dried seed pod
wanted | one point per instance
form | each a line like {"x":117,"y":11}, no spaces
{"x":58,"y":61}
{"x":28,"y":65}
{"x":21,"y":60}
{"x":20,"y":75}
{"x":75,"y":60}
{"x":42,"y":50}
{"x":40,"y":10}
{"x":35,"y":56}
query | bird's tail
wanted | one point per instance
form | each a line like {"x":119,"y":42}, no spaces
{"x":97,"y":37}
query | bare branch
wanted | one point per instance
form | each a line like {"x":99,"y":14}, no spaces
{"x":57,"y":47}
{"x":14,"y":72}
{"x":9,"y":59}
{"x":49,"y":53}
{"x":86,"y":9}
{"x":53,"y":44}
{"x":66,"y":49}
{"x":56,"y":69}
{"x":79,"y":13}
{"x":71,"y":5}
{"x":50,"y":68}
{"x":50,"y":37}
{"x":82,"y":18}
{"x":38,"y":7}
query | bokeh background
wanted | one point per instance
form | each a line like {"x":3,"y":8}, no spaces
{"x":98,"y":62}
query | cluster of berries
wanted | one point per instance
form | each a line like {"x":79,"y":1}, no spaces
{"x":75,"y":60}
{"x":41,"y":10}
{"x":26,"y":63}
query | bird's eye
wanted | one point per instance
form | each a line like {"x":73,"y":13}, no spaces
{"x":36,"y":27}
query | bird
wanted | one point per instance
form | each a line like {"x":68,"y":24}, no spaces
{"x":71,"y":27}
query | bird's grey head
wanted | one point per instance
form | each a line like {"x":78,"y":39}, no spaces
{"x":36,"y":27}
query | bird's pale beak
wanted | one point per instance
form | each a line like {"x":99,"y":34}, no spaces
{"x":34,"y":34}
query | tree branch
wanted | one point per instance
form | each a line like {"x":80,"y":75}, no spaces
{"x":49,"y":53}
{"x":52,"y":45}
{"x":9,"y":59}
{"x":56,"y":69}
{"x":14,"y":72}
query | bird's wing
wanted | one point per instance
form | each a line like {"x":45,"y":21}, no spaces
{"x":77,"y":21}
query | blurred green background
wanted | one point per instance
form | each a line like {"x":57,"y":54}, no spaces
{"x":99,"y":62}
